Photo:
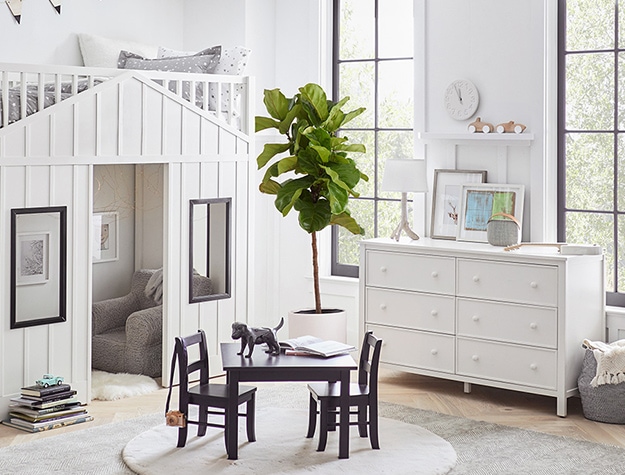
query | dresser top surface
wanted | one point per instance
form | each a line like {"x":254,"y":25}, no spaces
{"x":475,"y":249}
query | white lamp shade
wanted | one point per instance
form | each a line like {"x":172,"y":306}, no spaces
{"x":404,"y":175}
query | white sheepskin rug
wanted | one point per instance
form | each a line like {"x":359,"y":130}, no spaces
{"x":112,"y":386}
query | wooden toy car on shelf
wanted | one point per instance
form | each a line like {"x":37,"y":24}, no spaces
{"x":479,"y":126}
{"x":509,"y":127}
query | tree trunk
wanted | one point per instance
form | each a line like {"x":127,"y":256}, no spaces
{"x":316,"y":273}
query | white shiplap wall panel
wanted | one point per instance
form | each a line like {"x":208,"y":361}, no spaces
{"x":132,"y":118}
{"x":191,"y":133}
{"x":86,"y":129}
{"x":227,"y":143}
{"x":173,"y":132}
{"x":40,"y":147}
{"x":64,"y":137}
{"x":14,"y":144}
{"x":153,"y":120}
{"x":107,"y":121}
{"x":210,"y":138}
{"x":209,"y":311}
{"x":242,"y":237}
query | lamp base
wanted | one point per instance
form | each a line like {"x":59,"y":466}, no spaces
{"x":403,"y":224}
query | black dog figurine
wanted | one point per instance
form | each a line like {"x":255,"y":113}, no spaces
{"x":251,"y":336}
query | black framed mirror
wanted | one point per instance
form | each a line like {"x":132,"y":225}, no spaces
{"x":38,"y":266}
{"x":209,"y":249}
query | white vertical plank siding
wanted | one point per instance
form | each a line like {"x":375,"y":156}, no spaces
{"x":227,"y":308}
{"x":5,"y":98}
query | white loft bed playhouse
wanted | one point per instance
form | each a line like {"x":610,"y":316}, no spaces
{"x":78,"y":118}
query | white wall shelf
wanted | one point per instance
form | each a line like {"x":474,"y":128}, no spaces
{"x":468,"y":138}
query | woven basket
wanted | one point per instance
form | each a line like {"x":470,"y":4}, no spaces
{"x":604,"y":403}
{"x":503,"y":232}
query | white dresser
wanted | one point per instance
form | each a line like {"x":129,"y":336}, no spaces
{"x":475,"y":313}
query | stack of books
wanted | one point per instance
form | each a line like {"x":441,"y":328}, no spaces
{"x":39,"y":409}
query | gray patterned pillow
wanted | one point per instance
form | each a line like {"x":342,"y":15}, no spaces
{"x":203,"y":62}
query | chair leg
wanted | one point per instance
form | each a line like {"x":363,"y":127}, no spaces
{"x":182,"y":431}
{"x":202,"y":419}
{"x":250,"y":416}
{"x":373,"y":426}
{"x":323,"y":426}
{"x":312,"y":417}
{"x":362,"y":420}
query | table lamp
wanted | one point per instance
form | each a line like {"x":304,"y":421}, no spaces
{"x":404,"y":175}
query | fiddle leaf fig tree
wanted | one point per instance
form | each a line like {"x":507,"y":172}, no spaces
{"x":316,"y":177}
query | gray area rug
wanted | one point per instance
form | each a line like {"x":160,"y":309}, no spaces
{"x":481,"y":448}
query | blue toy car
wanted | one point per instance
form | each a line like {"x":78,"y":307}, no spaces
{"x":49,"y":380}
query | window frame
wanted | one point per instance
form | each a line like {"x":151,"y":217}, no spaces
{"x":615,"y":298}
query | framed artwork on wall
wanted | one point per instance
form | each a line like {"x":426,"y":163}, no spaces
{"x":446,"y":200}
{"x":105,"y":236}
{"x":480,"y":201}
{"x":38,"y":266}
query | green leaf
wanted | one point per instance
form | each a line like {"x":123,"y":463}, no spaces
{"x":313,"y":216}
{"x":354,"y":147}
{"x":270,"y":150}
{"x":353,"y":114}
{"x":269,"y":187}
{"x":316,"y":97}
{"x":289,"y":118}
{"x":263,"y":123}
{"x":349,"y":223}
{"x":324,"y":153}
{"x":338,"y":198}
{"x":308,"y":162}
{"x":276,"y":103}
{"x":290,"y":191}
{"x":346,"y":172}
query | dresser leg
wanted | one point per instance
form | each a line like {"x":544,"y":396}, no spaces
{"x":561,"y":409}
{"x":467,"y":388}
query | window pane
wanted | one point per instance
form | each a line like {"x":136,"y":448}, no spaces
{"x":389,"y":216}
{"x":621,"y":256}
{"x":395,"y":94}
{"x":590,"y":24}
{"x":357,"y":29}
{"x":621,"y":23}
{"x":364,"y":161}
{"x":392,"y":144}
{"x":589,"y":171}
{"x":395,"y":21}
{"x":621,"y":89}
{"x":590,"y":91}
{"x":357,"y":80}
{"x":621,"y":174}
{"x":588,"y":228}
{"x":362,"y":212}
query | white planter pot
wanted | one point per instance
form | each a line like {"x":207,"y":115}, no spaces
{"x":329,"y":325}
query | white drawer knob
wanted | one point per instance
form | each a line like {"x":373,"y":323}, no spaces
{"x":476,"y":278}
{"x":533,"y":367}
{"x":475,"y":318}
{"x":434,"y":351}
{"x":383,"y":306}
{"x":533,"y":285}
{"x":533,"y":326}
{"x":383,"y":269}
{"x":434,"y":313}
{"x":475,"y":357}
{"x":434,"y":275}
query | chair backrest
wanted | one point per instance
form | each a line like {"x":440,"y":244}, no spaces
{"x":369,"y":362}
{"x":186,"y":368}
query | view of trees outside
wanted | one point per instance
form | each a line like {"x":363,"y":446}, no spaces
{"x":375,"y":69}
{"x":594,"y":132}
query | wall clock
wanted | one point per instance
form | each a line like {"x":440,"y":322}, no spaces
{"x":461,"y":99}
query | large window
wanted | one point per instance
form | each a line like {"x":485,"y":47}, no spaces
{"x":373,"y":65}
{"x":591,"y":201}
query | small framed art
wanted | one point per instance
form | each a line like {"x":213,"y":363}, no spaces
{"x":446,"y":200}
{"x":480,"y":201}
{"x":105,"y":236}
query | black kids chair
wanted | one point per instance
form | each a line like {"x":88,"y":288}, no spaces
{"x":362,"y":395}
{"x":205,"y":395}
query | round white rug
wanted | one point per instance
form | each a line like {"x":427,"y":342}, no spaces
{"x":281,"y":447}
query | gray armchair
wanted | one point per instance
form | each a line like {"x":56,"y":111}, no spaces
{"x":127,"y":331}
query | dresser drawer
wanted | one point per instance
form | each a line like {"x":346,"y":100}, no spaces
{"x":411,"y":272}
{"x":510,"y":282}
{"x":411,"y":310}
{"x":537,"y":326}
{"x":416,"y":349}
{"x":509,"y":363}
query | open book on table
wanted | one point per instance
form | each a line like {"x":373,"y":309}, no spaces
{"x":311,"y":345}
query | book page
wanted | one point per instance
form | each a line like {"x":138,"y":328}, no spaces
{"x":300,"y":341}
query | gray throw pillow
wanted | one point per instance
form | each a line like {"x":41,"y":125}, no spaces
{"x":203,"y":62}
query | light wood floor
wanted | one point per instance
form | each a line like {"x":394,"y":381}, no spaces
{"x":485,"y":404}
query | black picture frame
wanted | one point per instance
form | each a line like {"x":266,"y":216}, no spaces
{"x":38,"y":266}
{"x":209,"y":247}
